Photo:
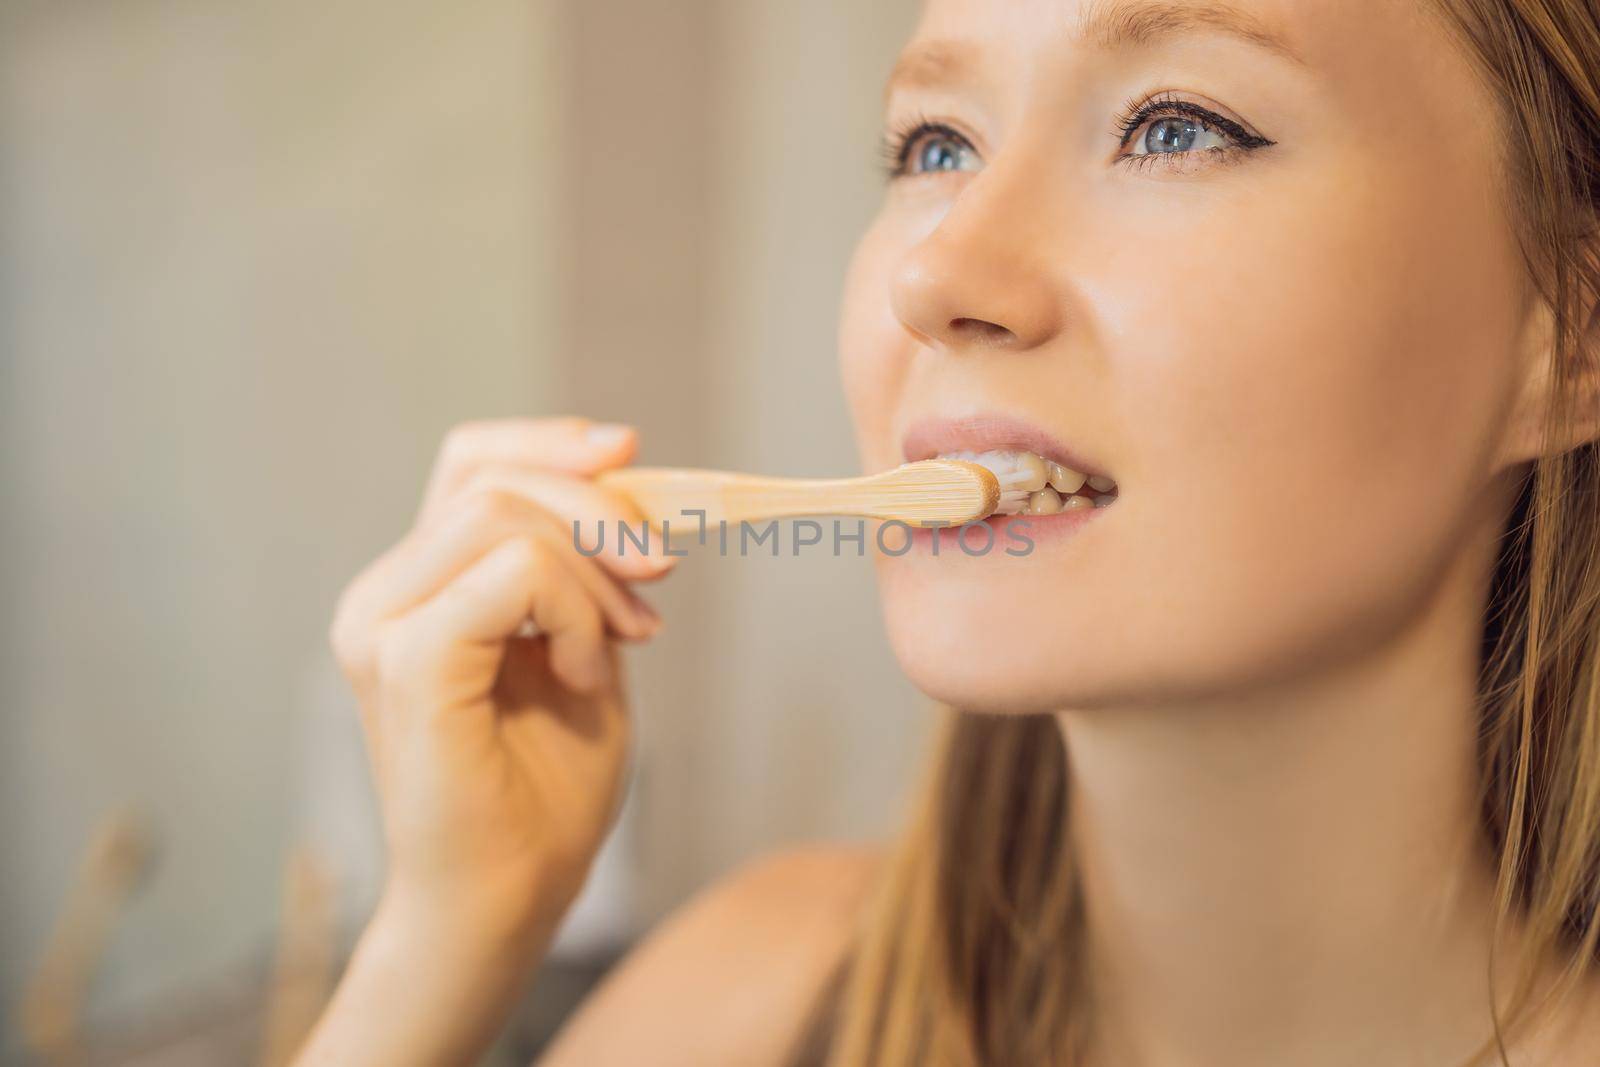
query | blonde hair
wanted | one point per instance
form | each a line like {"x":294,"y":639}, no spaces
{"x":966,"y":954}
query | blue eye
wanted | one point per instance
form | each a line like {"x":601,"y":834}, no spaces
{"x":1181,"y":135}
{"x":928,"y":148}
{"x":1174,"y":128}
{"x":1165,"y":129}
{"x":938,"y":152}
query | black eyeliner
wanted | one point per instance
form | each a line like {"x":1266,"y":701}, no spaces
{"x":1169,"y":105}
{"x":896,"y":146}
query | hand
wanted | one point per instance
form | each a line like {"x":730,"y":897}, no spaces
{"x":498,"y":759}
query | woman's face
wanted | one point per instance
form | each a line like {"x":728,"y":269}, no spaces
{"x":1277,"y":300}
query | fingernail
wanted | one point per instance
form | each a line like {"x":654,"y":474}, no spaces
{"x":609,"y":434}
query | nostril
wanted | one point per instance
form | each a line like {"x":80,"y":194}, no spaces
{"x":981,"y":331}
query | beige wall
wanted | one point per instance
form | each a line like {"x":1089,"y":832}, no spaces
{"x":257,"y":257}
{"x":815,"y":730}
{"x":769,"y":709}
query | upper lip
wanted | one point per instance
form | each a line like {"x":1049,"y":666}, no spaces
{"x":930,"y":437}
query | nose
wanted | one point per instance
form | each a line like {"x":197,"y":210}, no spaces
{"x":979,"y":279}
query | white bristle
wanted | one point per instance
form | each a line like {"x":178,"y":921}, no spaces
{"x":1012,"y":503}
{"x":1011,"y":470}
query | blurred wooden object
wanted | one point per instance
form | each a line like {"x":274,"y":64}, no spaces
{"x":51,"y":1013}
{"x":933,"y":491}
{"x":303,"y":970}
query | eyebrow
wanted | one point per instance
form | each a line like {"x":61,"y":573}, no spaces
{"x":1107,"y":25}
{"x":928,"y":64}
{"x":1122,"y":23}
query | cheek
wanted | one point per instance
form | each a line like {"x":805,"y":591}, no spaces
{"x":1312,"y":408}
{"x":1299,"y":388}
{"x":874,"y":349}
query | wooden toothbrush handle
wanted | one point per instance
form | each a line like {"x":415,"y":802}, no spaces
{"x":668,"y":493}
{"x":943,"y":492}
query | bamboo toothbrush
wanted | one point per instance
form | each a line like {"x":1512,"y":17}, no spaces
{"x":933,"y":492}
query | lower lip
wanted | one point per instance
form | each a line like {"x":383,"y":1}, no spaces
{"x":971,"y":541}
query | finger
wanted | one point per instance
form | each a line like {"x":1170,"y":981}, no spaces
{"x":446,"y":653}
{"x":599,"y":524}
{"x":432,"y":556}
{"x":572,"y":444}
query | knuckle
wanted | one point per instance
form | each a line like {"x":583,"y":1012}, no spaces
{"x":341,"y":641}
{"x":348,"y":639}
{"x":484,"y":503}
{"x":458,"y":442}
{"x":566,"y":423}
{"x":402,"y":654}
{"x":532,"y":558}
{"x":462,"y":433}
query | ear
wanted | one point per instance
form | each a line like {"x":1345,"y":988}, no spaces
{"x":1536,"y":355}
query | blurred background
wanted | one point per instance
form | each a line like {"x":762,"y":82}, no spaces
{"x":256,"y":257}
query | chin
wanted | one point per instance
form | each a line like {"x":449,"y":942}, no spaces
{"x":961,"y":644}
{"x":966,"y":691}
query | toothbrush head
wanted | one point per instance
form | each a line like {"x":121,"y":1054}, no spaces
{"x":937,"y":492}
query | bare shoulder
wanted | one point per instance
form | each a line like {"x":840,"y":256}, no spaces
{"x":729,"y":976}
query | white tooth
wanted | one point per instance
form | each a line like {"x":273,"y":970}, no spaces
{"x":1045,"y":502}
{"x":1015,"y":470}
{"x":1065,"y":479}
{"x":1025,"y":471}
{"x":1101,"y":484}
{"x":1038,"y":473}
{"x":1076,"y":500}
{"x":1104,"y":500}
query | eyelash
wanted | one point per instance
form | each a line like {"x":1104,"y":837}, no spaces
{"x":897,"y":144}
{"x":1135,"y":114}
